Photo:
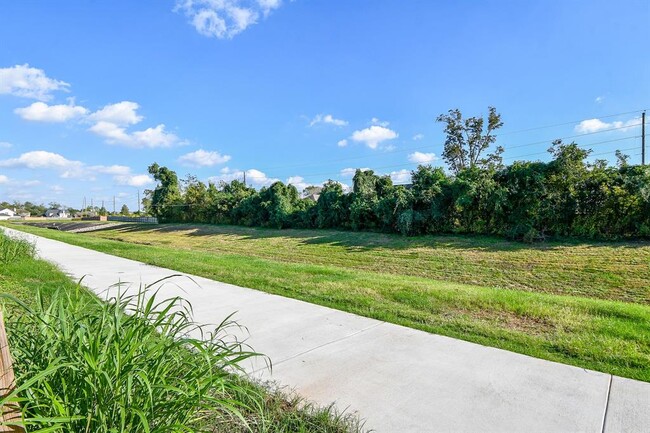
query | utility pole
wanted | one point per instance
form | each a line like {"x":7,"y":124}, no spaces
{"x":113,"y":204}
{"x":138,"y":201}
{"x":244,"y":177}
{"x":92,"y":204}
{"x":103,"y":205}
{"x":643,"y":138}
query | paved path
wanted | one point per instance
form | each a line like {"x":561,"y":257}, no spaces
{"x":399,"y":379}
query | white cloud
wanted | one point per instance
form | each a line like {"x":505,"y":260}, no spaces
{"x":349,"y":172}
{"x":69,"y":169}
{"x":591,"y":125}
{"x":254,"y":177}
{"x":373,"y":135}
{"x":342,"y":143}
{"x":418,"y":137}
{"x":422,"y":158}
{"x":202,"y":158}
{"x":122,"y":113}
{"x":599,"y":99}
{"x":5,"y":145}
{"x":227,"y":174}
{"x":225,"y":18}
{"x":259,"y":178}
{"x":298,"y":182}
{"x":401,"y":176}
{"x":150,"y":137}
{"x":41,"y":112}
{"x":136,"y":180}
{"x":28,"y":82}
{"x":154,"y":137}
{"x":40,"y":159}
{"x":268,"y":5}
{"x":376,"y":121}
{"x":112,"y":132}
{"x":596,"y":125}
{"x":3,"y":179}
{"x":327,"y":119}
{"x":110,"y":169}
{"x":208,"y":23}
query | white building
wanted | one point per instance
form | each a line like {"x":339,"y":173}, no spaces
{"x":7,"y":213}
{"x":56,"y":213}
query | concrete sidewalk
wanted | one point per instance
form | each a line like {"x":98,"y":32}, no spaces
{"x":399,"y":379}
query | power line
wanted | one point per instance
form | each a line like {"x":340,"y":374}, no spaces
{"x":575,"y":136}
{"x":329,"y":173}
{"x":397,"y":184}
{"x":548,"y":141}
{"x":391,"y":152}
{"x":569,"y":123}
{"x":591,"y":144}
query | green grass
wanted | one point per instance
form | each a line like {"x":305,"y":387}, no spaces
{"x":612,"y":270}
{"x":85,"y":365}
{"x":381,"y":281}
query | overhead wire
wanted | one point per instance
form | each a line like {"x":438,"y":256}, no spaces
{"x":321,"y":175}
{"x":572,"y":122}
{"x":430,"y":146}
{"x":338,"y":173}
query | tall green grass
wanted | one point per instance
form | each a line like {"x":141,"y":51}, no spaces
{"x":15,"y":249}
{"x":134,"y":363}
{"x":128,"y":364}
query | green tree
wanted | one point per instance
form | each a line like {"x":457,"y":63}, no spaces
{"x":566,"y":172}
{"x":364,"y":199}
{"x":331,"y":209}
{"x":195,"y":200}
{"x":468,"y":139}
{"x":431,"y":200}
{"x":166,"y":197}
{"x":125,"y":210}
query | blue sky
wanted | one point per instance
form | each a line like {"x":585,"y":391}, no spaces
{"x":91,"y":93}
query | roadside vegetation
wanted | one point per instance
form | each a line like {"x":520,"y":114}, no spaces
{"x":569,"y":310}
{"x":132,"y":363}
{"x":571,"y":195}
{"x":603,"y":270}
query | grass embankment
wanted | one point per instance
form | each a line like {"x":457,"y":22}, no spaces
{"x":84,"y":365}
{"x":606,"y":270}
{"x":545,"y":301}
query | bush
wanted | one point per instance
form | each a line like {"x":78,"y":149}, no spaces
{"x":126,"y":365}
{"x":14,"y":249}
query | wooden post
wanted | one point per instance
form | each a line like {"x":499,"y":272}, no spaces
{"x":9,"y":412}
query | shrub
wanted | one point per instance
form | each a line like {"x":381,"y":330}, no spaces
{"x":14,"y":249}
{"x":132,"y":364}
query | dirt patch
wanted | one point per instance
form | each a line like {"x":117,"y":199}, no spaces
{"x":512,"y":321}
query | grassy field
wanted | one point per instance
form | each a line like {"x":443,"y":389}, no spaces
{"x":549,"y":309}
{"x":614,"y":271}
{"x":85,"y":376}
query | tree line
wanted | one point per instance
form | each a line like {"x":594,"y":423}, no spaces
{"x":567,"y":196}
{"x":525,"y":200}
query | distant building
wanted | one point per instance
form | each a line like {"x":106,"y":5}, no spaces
{"x":313,"y":197}
{"x":312,"y":193}
{"x":85,"y":214}
{"x":56,"y":213}
{"x":7,"y":213}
